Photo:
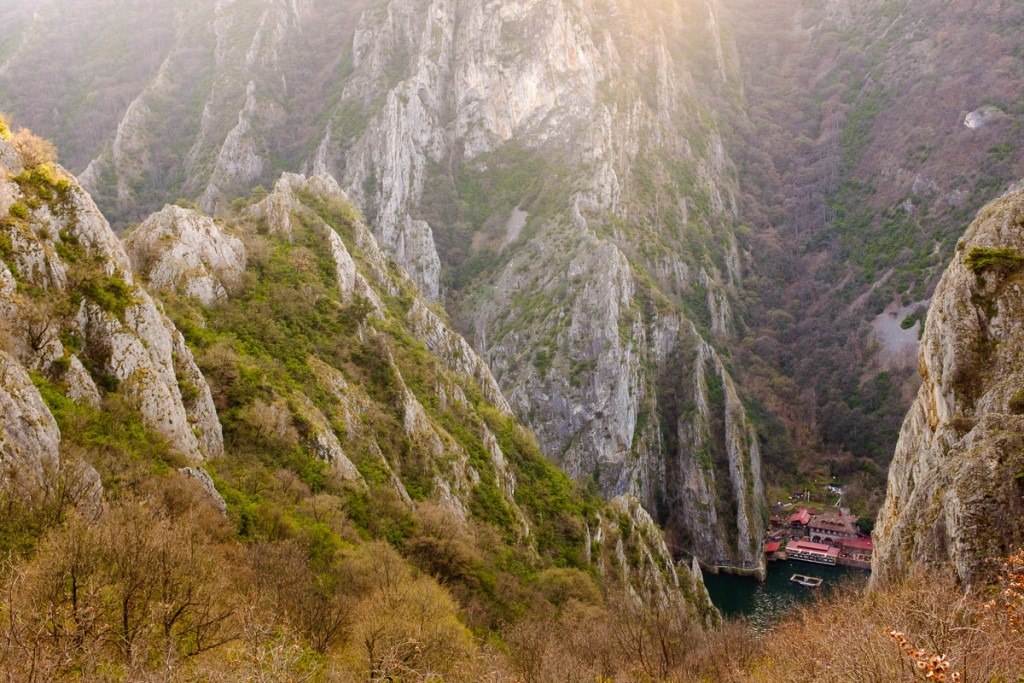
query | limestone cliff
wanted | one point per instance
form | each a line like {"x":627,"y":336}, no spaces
{"x":956,"y":484}
{"x":180,"y":250}
{"x":585,"y":262}
{"x":29,"y":437}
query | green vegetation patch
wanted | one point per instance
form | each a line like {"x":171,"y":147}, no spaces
{"x":1004,"y":261}
{"x":111,"y":293}
{"x":45,"y":182}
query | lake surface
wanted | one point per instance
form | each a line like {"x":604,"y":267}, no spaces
{"x":764,"y":603}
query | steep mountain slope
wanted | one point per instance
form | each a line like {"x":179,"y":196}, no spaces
{"x":574,"y":277}
{"x":553,"y":171}
{"x":956,"y":484}
{"x":150,"y":101}
{"x":296,"y":380}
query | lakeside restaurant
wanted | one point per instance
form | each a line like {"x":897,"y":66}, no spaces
{"x":819,"y":553}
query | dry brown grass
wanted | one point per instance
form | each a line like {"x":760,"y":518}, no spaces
{"x":154,"y":588}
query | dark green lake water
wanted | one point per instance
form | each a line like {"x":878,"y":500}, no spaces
{"x":764,"y":603}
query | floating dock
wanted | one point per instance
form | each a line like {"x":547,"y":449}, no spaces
{"x":806,"y":581}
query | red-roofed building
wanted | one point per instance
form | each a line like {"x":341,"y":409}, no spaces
{"x":772,"y":547}
{"x":818,"y":553}
{"x":807,"y":545}
{"x":859,"y":544}
{"x":857,"y":552}
{"x":800,"y":518}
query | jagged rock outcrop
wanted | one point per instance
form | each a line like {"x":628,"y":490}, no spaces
{"x":715,"y":481}
{"x":32,"y":466}
{"x":179,"y":250}
{"x":282,"y":207}
{"x":956,"y":483}
{"x":455,"y":352}
{"x":644,"y":558}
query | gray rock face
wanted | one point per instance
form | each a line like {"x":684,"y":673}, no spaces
{"x":29,"y":437}
{"x":142,"y":358}
{"x":733,"y":533}
{"x":601,"y":378}
{"x":30,"y":457}
{"x":955,"y":494}
{"x":471,"y":81}
{"x":179,"y":250}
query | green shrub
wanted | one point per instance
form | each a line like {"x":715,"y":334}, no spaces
{"x":189,"y":391}
{"x":1016,"y":403}
{"x":487,"y":503}
{"x":19,"y":211}
{"x":43,"y":181}
{"x":982,"y":259}
{"x":910,"y":321}
{"x":112,"y":294}
{"x":60,"y":365}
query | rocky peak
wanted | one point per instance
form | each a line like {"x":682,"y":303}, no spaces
{"x":180,"y":250}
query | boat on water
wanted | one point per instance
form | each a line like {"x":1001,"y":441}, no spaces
{"x":806,"y":581}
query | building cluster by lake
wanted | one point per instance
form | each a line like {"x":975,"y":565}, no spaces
{"x":829,"y":537}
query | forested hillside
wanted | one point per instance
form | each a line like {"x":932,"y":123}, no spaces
{"x":874,"y":131}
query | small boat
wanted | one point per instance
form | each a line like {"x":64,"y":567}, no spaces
{"x":806,"y":581}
